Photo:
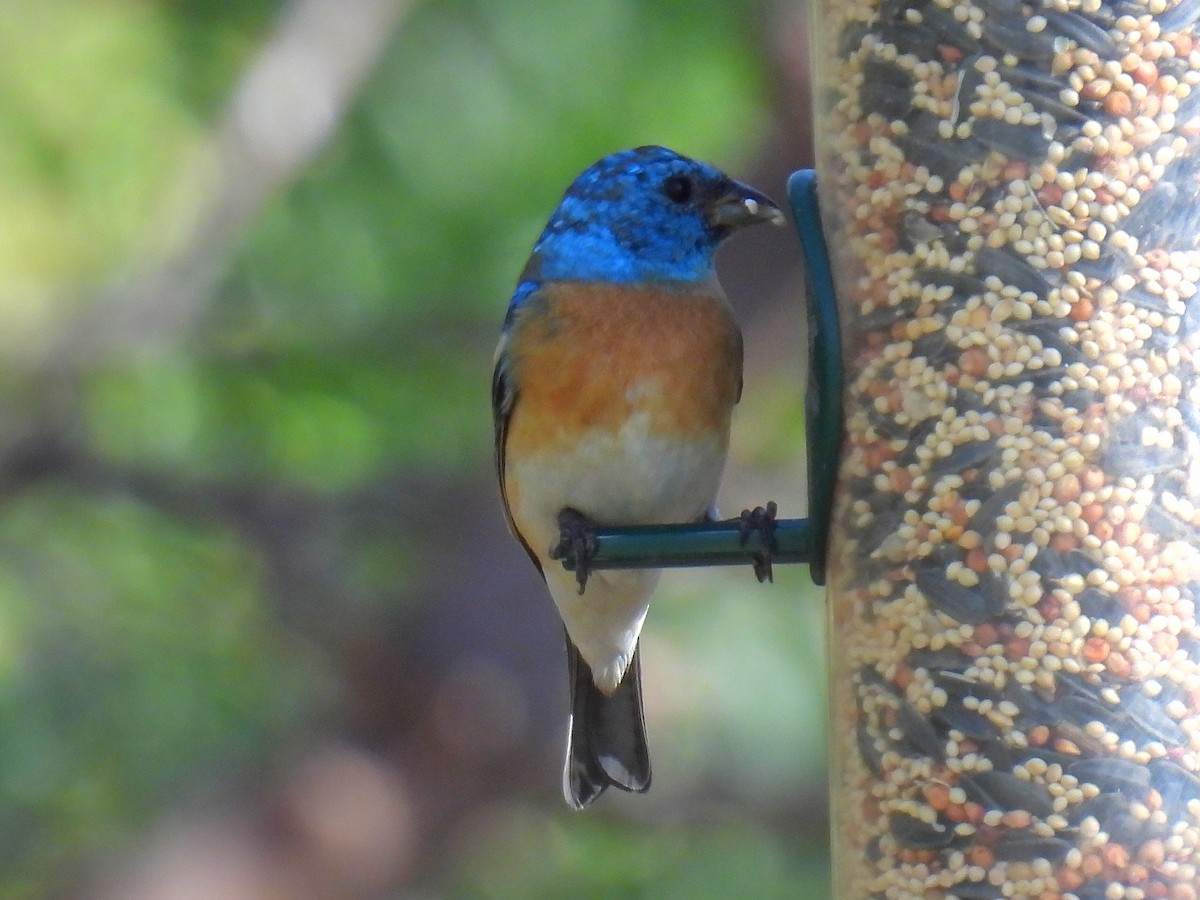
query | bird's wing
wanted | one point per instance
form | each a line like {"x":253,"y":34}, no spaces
{"x":504,"y":400}
{"x":737,"y":398}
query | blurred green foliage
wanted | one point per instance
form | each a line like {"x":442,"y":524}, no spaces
{"x":344,"y":345}
{"x":137,"y":656}
{"x":531,"y":857}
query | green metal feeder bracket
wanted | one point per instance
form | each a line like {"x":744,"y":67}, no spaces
{"x":758,"y":537}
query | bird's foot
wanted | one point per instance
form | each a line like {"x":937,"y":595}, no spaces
{"x":761,"y":520}
{"x":576,"y":544}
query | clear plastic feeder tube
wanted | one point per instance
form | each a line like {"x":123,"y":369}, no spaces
{"x":1010,"y":193}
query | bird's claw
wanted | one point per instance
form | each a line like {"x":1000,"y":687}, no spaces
{"x":576,"y":544}
{"x":761,"y":520}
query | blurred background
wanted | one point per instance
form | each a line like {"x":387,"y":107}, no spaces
{"x":262,"y":631}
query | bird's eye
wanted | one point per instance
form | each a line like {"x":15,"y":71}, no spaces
{"x":678,"y":188}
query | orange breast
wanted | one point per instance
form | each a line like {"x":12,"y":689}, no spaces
{"x":590,"y":356}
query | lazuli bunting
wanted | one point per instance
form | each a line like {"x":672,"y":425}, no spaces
{"x":615,"y":380}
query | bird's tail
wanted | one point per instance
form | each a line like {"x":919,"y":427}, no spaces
{"x":606,"y":740}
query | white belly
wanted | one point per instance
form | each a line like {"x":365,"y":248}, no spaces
{"x":630,"y":478}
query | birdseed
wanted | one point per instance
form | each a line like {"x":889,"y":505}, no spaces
{"x":1012,"y":196}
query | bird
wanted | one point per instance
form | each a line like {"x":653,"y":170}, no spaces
{"x":617,"y":371}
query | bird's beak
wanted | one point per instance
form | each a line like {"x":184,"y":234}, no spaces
{"x":742,"y":205}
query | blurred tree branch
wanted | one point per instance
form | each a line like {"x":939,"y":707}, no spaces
{"x":288,"y":104}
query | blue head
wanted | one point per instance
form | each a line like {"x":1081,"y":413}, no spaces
{"x":644,"y":216}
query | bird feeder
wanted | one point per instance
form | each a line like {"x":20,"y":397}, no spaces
{"x":1010,"y":192}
